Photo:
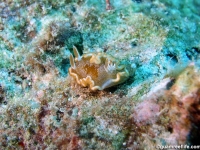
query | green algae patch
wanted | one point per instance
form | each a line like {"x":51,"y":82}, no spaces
{"x":117,"y":141}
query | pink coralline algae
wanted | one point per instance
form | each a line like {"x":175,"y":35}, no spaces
{"x":185,"y":95}
{"x":146,"y":112}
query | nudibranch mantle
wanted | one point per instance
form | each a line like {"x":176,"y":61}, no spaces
{"x":97,"y":70}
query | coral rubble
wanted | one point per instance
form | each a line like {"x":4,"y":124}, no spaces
{"x":153,"y":47}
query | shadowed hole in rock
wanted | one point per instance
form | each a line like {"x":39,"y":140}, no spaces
{"x":172,"y":57}
{"x":193,"y":137}
{"x":192,"y":53}
{"x":64,"y":66}
{"x":170,"y":84}
{"x":137,"y":1}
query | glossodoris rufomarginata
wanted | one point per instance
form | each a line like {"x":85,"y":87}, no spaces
{"x":97,"y":70}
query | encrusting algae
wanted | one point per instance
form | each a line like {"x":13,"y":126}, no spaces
{"x":97,"y":70}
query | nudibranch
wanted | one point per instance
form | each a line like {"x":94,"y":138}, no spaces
{"x":97,"y":70}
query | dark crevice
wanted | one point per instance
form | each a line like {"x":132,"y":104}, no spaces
{"x":192,"y":53}
{"x":172,"y":57}
{"x":170,"y":84}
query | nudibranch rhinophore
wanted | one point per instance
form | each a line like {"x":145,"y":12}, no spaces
{"x":97,"y":70}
